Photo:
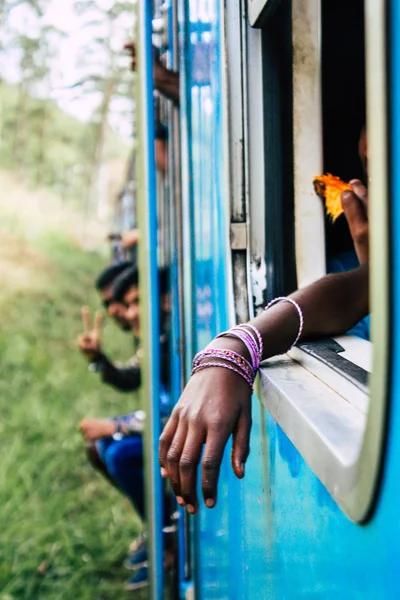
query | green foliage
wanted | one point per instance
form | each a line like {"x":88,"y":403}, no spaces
{"x":44,"y":146}
{"x":64,"y":530}
{"x":67,"y":162}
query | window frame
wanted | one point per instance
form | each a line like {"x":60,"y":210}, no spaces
{"x":347,"y":458}
{"x":260,"y":11}
{"x":308,"y":153}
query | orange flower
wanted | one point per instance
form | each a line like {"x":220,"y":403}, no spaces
{"x":329,"y":188}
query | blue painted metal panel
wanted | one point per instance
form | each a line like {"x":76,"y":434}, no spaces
{"x":202,"y":109}
{"x":278,"y":534}
{"x":153,"y":478}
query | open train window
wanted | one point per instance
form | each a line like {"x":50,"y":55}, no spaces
{"x":323,"y":69}
{"x":327,"y":128}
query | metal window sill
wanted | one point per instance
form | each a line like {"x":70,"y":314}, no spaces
{"x":357,"y":352}
{"x":326,"y":429}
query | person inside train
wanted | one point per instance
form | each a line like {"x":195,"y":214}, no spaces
{"x":357,"y":224}
{"x":216,"y":402}
{"x":115,"y":446}
{"x":161,"y":148}
{"x":166,"y":81}
{"x":123,"y":378}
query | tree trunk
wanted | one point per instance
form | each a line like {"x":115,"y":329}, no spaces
{"x":41,"y":159}
{"x":100,"y":134}
{"x":20,"y":128}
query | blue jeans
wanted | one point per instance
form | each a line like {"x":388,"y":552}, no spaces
{"x":123,"y":460}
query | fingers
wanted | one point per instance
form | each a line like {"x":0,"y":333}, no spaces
{"x":131,"y":238}
{"x":82,"y":427}
{"x":130,"y":47}
{"x":354,"y":210}
{"x":85,"y":312}
{"x":361,"y":192}
{"x":357,"y":219}
{"x":173,"y":458}
{"x":188,"y":463}
{"x":241,"y":443}
{"x":98,"y":320}
{"x":211,"y":463}
{"x":165,"y":442}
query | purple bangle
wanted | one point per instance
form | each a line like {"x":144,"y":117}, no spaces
{"x":201,"y":366}
{"x":228,"y":355}
{"x":259,"y":338}
{"x":248,"y":341}
{"x":300,"y":313}
{"x":252,"y":341}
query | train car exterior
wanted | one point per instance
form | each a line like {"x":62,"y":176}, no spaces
{"x":268,"y":88}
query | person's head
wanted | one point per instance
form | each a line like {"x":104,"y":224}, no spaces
{"x":126,"y":293}
{"x":161,"y":148}
{"x":165,"y":298}
{"x":104,"y":285}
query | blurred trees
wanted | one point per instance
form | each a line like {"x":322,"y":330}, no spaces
{"x":105,"y":76}
{"x":40,"y":141}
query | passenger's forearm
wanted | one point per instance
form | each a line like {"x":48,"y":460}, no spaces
{"x":167,"y":83}
{"x":124,"y":379}
{"x":330,"y":306}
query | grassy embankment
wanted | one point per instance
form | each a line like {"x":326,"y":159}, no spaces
{"x":63,"y":531}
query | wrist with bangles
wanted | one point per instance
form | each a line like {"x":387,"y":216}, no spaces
{"x":118,"y":433}
{"x":251,"y":338}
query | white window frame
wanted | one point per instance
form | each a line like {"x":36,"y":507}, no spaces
{"x":259,"y":11}
{"x":338,"y":437}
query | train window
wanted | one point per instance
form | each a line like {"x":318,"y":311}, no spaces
{"x":278,"y":151}
{"x":327,"y":130}
{"x":319,"y":90}
{"x":260,"y":11}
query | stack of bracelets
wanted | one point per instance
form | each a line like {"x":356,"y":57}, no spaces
{"x":251,"y":338}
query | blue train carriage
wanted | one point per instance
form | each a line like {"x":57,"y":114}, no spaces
{"x":272,"y":94}
{"x":160,"y":221}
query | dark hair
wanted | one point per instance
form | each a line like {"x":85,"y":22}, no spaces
{"x":163,"y":280}
{"x":128,"y":279}
{"x":161,"y":132}
{"x":110,"y":274}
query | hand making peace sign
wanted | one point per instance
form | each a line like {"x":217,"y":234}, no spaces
{"x":89,"y":341}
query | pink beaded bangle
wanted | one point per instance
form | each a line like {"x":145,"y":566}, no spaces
{"x":259,"y":338}
{"x":248,"y":341}
{"x":225,"y":354}
{"x":201,"y":366}
{"x":297,"y":307}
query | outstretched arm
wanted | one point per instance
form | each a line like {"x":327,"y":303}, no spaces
{"x":165,"y":81}
{"x":216,"y":403}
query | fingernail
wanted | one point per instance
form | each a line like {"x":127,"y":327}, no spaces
{"x":164,"y":472}
{"x":354,"y":181}
{"x":210,"y":503}
{"x":180,"y":501}
{"x":191,"y":509}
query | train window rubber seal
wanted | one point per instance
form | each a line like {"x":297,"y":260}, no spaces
{"x":343,"y":441}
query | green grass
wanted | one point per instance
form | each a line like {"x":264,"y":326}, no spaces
{"x":64,"y":531}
